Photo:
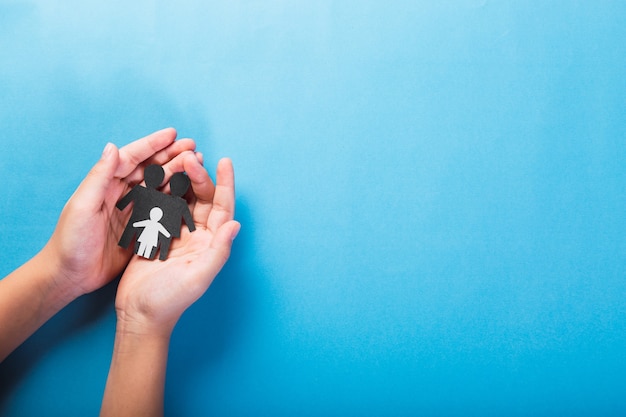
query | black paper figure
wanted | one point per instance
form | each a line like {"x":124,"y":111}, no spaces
{"x":148,"y":239}
{"x":159,"y":214}
{"x":144,"y":199}
{"x":176,"y":211}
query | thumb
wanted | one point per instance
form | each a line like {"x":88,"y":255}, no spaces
{"x":221,"y":245}
{"x":92,"y":191}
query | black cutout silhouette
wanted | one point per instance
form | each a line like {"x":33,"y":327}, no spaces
{"x":157,"y":213}
{"x":177,"y":211}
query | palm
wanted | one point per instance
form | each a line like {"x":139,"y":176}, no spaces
{"x":160,"y":289}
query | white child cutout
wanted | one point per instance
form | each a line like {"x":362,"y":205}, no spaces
{"x":149,"y":238}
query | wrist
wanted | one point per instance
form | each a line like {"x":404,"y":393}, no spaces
{"x":136,"y":378}
{"x":50,"y":280}
{"x":137,"y":325}
{"x":133,"y":341}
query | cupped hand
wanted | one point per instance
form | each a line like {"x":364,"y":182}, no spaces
{"x":83,"y":250}
{"x":153,"y":294}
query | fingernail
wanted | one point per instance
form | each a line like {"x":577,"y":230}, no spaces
{"x":235,"y":231}
{"x":108,"y":150}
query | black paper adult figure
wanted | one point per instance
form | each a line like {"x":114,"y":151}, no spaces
{"x":143,"y":199}
{"x":177,"y":210}
{"x":170,"y":209}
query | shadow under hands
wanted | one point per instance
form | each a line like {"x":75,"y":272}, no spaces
{"x":81,"y":313}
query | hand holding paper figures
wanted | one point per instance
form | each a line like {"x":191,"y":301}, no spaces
{"x":158,"y":292}
{"x":152,"y":296}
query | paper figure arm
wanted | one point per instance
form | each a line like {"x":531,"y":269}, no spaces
{"x":142,"y":223}
{"x":163,"y":230}
{"x":188,"y":219}
{"x":130,"y":196}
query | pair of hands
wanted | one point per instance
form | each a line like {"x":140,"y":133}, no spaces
{"x":152,"y":295}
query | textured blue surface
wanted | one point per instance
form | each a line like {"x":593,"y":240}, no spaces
{"x":432,"y":196}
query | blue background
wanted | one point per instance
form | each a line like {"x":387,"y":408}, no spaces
{"x":432,"y":196}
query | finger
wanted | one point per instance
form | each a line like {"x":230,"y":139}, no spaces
{"x":172,"y":167}
{"x":219,"y":250}
{"x":223,"y":208}
{"x":203,"y":190}
{"x":192,"y":197}
{"x":161,"y":158}
{"x":140,"y":150}
{"x":176,"y":148}
{"x":91,"y":193}
{"x":191,"y":200}
{"x":225,"y":235}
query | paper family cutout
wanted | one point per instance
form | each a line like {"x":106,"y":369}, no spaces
{"x":156,"y":216}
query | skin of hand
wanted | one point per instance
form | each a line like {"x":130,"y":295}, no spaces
{"x":83,"y":248}
{"x":153,"y":294}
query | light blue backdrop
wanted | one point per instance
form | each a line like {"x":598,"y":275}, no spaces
{"x":432,"y":196}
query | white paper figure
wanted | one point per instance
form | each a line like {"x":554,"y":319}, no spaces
{"x":150,"y":236}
